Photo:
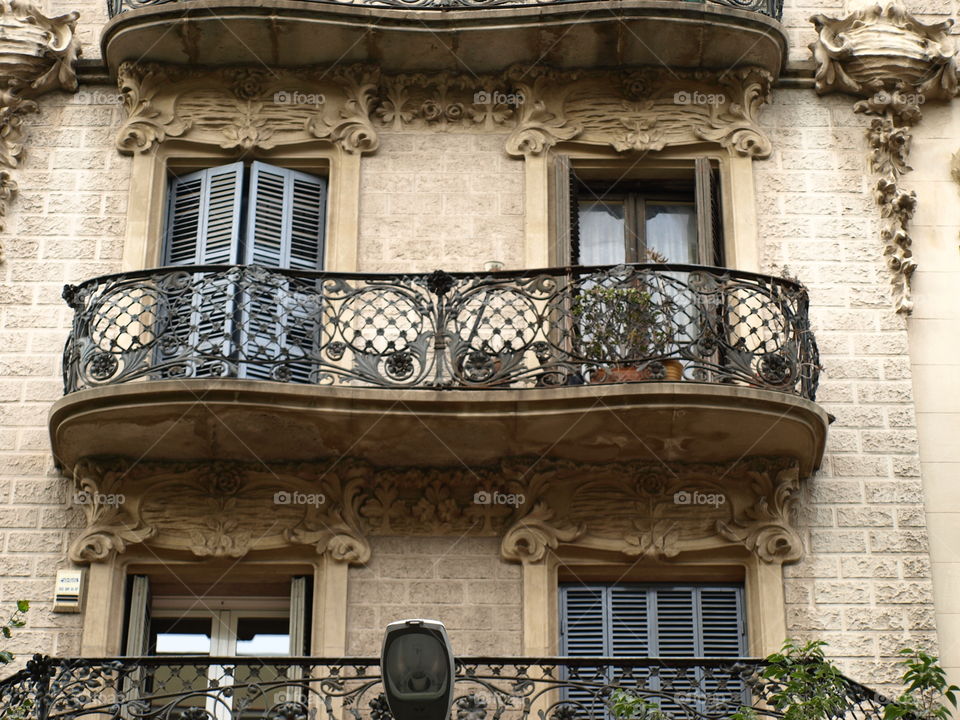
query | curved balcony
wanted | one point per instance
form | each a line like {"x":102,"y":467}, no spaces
{"x":592,"y":364}
{"x":447,"y":35}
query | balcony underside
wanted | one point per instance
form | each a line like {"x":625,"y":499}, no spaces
{"x":626,"y":33}
{"x":204,"y":419}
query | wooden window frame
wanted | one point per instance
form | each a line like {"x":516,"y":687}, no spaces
{"x":146,"y":209}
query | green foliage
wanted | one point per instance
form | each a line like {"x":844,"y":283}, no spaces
{"x":627,"y":706}
{"x":21,"y":710}
{"x":805,"y":685}
{"x":16,"y":620}
{"x":926,"y":689}
{"x":620,"y":323}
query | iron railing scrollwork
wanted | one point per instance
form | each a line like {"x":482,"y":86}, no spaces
{"x":771,"y":8}
{"x":230,"y":688}
{"x":511,"y":329}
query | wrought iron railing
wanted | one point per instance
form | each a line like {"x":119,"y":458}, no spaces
{"x":772,"y":8}
{"x":204,"y":688}
{"x":513,"y":329}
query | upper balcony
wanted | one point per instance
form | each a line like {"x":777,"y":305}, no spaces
{"x":486,"y":36}
{"x":635,"y":362}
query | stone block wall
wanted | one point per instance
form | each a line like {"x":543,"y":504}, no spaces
{"x":459,"y":581}
{"x":865,"y":586}
{"x":440,"y":200}
{"x":65,"y":224}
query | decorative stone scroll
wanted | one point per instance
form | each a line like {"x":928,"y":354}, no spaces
{"x":226,"y":509}
{"x":882,"y":53}
{"x":647,"y":109}
{"x":37,"y":55}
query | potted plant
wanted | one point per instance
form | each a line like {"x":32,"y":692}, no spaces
{"x":623,"y":327}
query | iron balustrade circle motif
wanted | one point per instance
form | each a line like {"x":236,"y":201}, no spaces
{"x":237,"y":688}
{"x":499,"y":330}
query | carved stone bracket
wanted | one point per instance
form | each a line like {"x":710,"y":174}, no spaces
{"x":882,"y":53}
{"x":638,"y":509}
{"x":37,"y":55}
{"x":214,"y":509}
{"x":535,"y":107}
{"x":246,"y":107}
{"x":646,"y":510}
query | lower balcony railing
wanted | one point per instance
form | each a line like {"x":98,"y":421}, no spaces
{"x":204,"y":688}
{"x":514,"y":329}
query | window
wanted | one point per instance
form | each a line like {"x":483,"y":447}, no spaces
{"x":656,"y":620}
{"x":261,"y":214}
{"x":659,"y":215}
{"x":257,"y":215}
{"x":233,"y":626}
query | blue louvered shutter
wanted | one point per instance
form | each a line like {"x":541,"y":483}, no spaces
{"x":584,"y":620}
{"x":723,"y":634}
{"x":630,"y":630}
{"x":285,"y":229}
{"x":632,"y":620}
{"x":203,"y":228}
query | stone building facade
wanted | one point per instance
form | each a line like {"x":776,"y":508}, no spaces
{"x":846,"y":534}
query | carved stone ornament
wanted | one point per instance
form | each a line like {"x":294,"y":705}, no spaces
{"x":638,"y":509}
{"x":884,"y":54}
{"x":535,"y":107}
{"x":37,"y":55}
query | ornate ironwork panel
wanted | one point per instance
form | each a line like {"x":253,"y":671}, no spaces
{"x":516,"y":329}
{"x":230,"y":688}
{"x":772,"y":8}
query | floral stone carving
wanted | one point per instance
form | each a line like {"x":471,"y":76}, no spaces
{"x":37,"y":55}
{"x":884,"y":54}
{"x":225,"y":509}
{"x":535,"y":108}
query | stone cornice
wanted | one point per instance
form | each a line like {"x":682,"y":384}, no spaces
{"x":637,"y":509}
{"x":536,"y":108}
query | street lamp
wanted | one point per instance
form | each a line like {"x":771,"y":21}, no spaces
{"x":417,"y":668}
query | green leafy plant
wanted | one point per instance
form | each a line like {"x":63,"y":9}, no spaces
{"x":16,"y":620}
{"x":620,"y":324}
{"x":625,"y":705}
{"x":801,"y":684}
{"x":18,"y":710}
{"x":927,"y":692}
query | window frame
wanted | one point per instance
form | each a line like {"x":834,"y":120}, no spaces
{"x":146,"y":208}
{"x":650,"y":589}
{"x":546,"y":196}
{"x":762,"y":582}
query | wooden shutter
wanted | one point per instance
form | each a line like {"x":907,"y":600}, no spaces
{"x":285,"y":229}
{"x":298,"y":616}
{"x":285,"y":218}
{"x":203,"y":217}
{"x":203,"y":228}
{"x":566,"y":213}
{"x":709,"y":213}
{"x":138,"y":616}
{"x":657,"y":620}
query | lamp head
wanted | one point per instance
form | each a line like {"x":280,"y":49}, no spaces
{"x":418,"y":670}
